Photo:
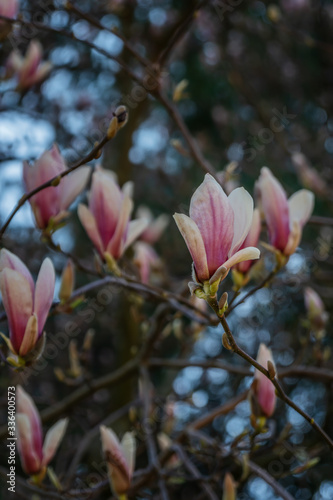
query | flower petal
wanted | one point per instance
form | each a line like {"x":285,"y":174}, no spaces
{"x":105,"y":200}
{"x":301,"y":206}
{"x":211,"y":211}
{"x":249,"y":253}
{"x":31,"y":462}
{"x":242,"y":204}
{"x":18,"y":303}
{"x":265,"y":390}
{"x":117,"y":243}
{"x":72,"y":185}
{"x":10,"y":260}
{"x":44,"y":292}
{"x":52,"y":440}
{"x":88,"y":221}
{"x":118,"y":468}
{"x":26,"y":406}
{"x":135,"y":228}
{"x":273,"y":202}
{"x":195,"y":244}
{"x":129,"y":446}
{"x":30,"y":336}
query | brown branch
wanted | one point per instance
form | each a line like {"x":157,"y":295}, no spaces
{"x":279,"y":390}
{"x":179,"y":33}
{"x":195,"y":473}
{"x":194,"y":149}
{"x":258,"y":471}
{"x":90,"y":156}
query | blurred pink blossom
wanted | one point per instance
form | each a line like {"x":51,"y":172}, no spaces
{"x":107,"y":220}
{"x":285,"y":218}
{"x":51,"y":204}
{"x":34,"y":455}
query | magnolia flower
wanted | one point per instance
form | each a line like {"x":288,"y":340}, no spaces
{"x":217,"y":227}
{"x":155,"y":227}
{"x":27,"y":304}
{"x":264,"y":390}
{"x":107,"y":220}
{"x":51,"y":204}
{"x":315,"y":307}
{"x":251,"y":240}
{"x":29,"y":69}
{"x":146,"y":259}
{"x":35,"y":456}
{"x":285,"y":218}
{"x":9,"y":8}
{"x":120,"y":457}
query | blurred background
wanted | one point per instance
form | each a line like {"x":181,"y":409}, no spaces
{"x":253,"y":82}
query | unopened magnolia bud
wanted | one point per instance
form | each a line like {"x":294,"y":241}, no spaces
{"x":223,"y":303}
{"x":178,"y":93}
{"x":113,"y":128}
{"x":121,"y":114}
{"x":56,"y":181}
{"x":229,"y":487}
{"x":67,"y":282}
{"x":175,"y":143}
{"x":271,"y":369}
{"x":225,"y":342}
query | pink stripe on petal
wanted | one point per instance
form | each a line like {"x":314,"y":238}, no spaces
{"x":211,"y":211}
{"x":104,"y":203}
{"x":195,"y":244}
{"x":44,"y":292}
{"x":31,"y":462}
{"x":26,"y":406}
{"x":275,"y":208}
{"x":18,"y":302}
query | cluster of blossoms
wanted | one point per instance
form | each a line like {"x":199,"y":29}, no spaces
{"x":36,"y":455}
{"x":221,"y":233}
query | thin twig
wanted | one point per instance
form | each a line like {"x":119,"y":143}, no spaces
{"x":90,"y":156}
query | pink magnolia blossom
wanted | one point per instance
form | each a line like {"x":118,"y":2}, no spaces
{"x":27,"y":304}
{"x":29,"y":69}
{"x":217,"y":227}
{"x":146,"y":259}
{"x":53,"y":202}
{"x":264,"y":389}
{"x":155,"y":227}
{"x":107,"y":220}
{"x":285,"y":218}
{"x":34,"y":455}
{"x":315,"y":307}
{"x":120,"y":459}
{"x":251,"y":240}
{"x":9,"y":8}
